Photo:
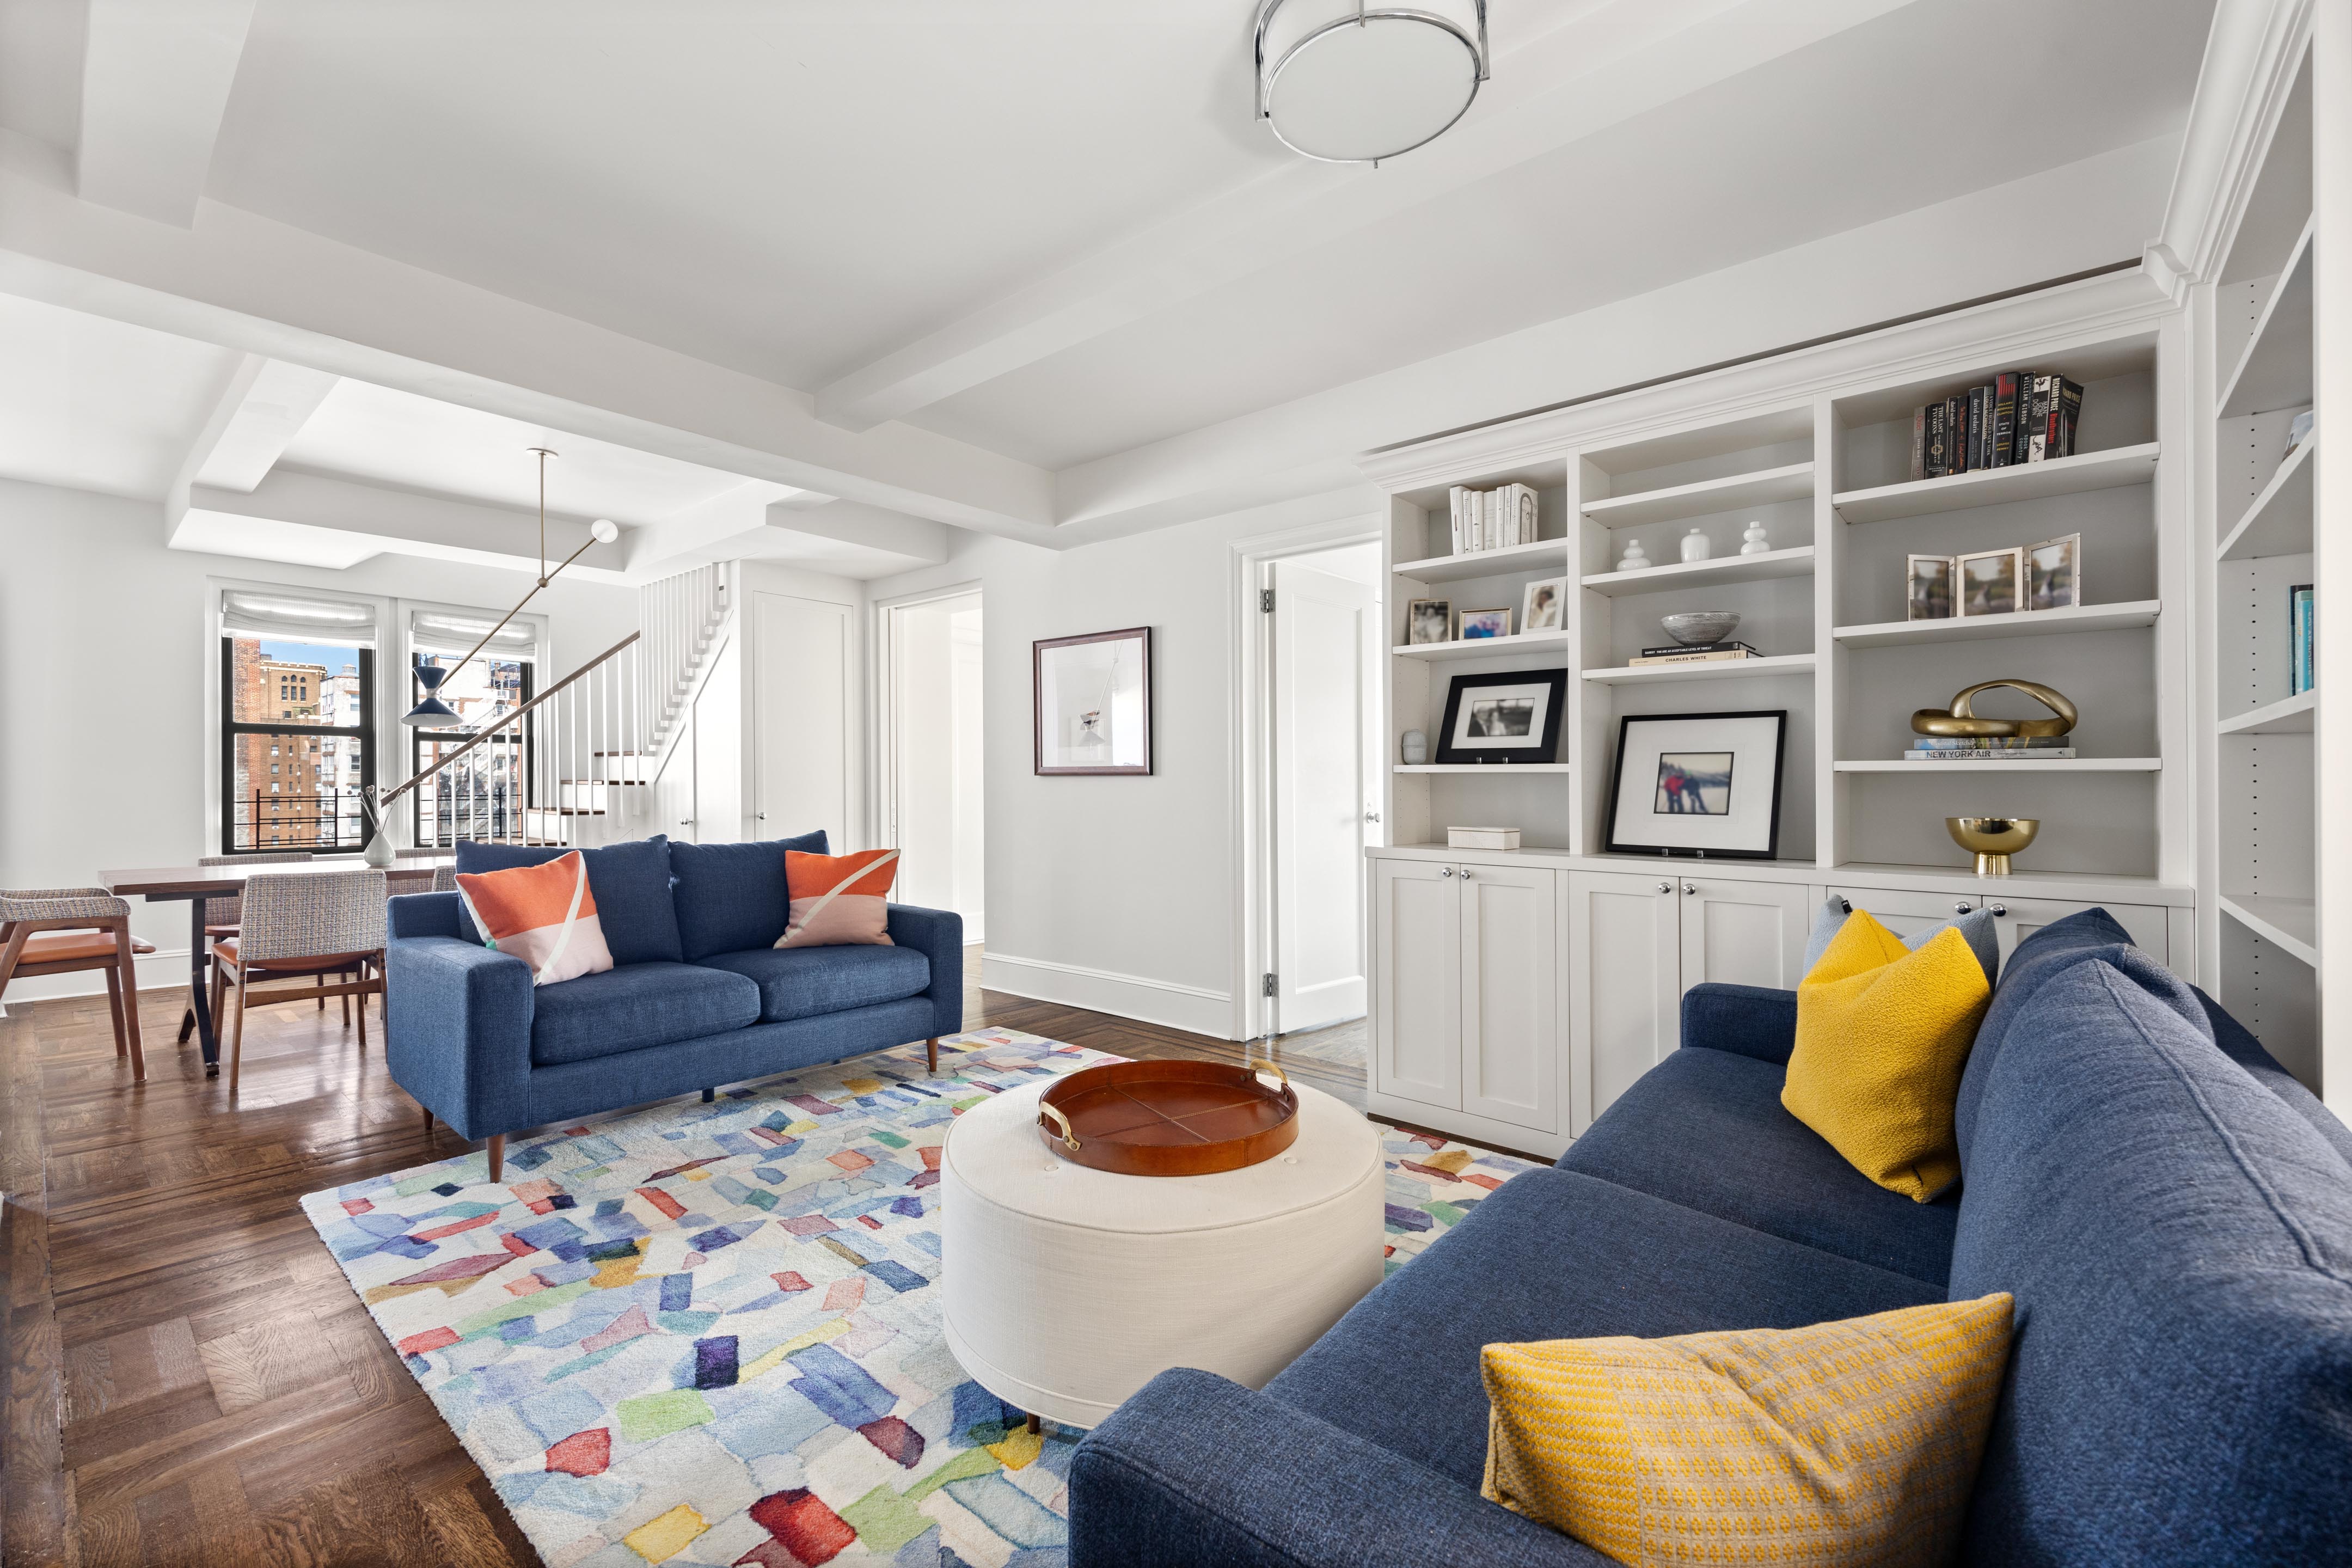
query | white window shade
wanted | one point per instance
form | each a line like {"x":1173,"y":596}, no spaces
{"x":338,"y":623}
{"x":455,"y":633}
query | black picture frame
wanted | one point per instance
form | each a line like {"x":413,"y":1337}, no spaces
{"x":1771,"y":847}
{"x":1544,"y":750}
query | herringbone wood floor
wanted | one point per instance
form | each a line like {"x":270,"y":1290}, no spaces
{"x":187,"y":1379}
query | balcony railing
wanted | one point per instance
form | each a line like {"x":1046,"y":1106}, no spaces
{"x":328,"y":823}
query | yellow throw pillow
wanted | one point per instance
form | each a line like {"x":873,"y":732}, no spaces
{"x":1853,"y":1442}
{"x":1882,"y":1035}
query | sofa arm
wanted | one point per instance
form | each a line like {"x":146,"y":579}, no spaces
{"x":457,"y":1031}
{"x":1747,"y":1020}
{"x":421,"y":914}
{"x":937,"y":935}
{"x":1194,"y":1469}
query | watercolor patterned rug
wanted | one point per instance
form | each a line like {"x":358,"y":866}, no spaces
{"x":708,"y":1333}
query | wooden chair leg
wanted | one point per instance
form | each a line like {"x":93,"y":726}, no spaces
{"x":126,"y":965}
{"x":498,"y":1155}
{"x":347,"y":1012}
{"x":114,"y":1006}
{"x":9,"y":951}
{"x":342,"y":976}
{"x":932,"y":1051}
{"x":235,"y":1033}
{"x":318,"y":983}
{"x":220,"y":997}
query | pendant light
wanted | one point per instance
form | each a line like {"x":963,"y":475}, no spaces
{"x":1348,"y":82}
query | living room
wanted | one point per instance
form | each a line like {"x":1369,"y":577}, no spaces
{"x":806,"y":846}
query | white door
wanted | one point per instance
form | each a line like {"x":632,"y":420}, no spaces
{"x":800,"y":717}
{"x":717,"y":727}
{"x":1324,"y":630}
{"x":1417,"y":937}
{"x":1624,"y":951}
{"x":933,"y":789}
{"x":1745,"y":934}
{"x":1510,"y":993}
{"x":674,"y":786}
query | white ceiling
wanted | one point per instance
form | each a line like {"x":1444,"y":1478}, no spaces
{"x":94,"y":404}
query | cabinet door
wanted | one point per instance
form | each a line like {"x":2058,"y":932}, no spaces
{"x":1417,"y":942}
{"x":1510,"y":993}
{"x":1905,"y":913}
{"x":1744,"y":934}
{"x":1624,"y":985}
{"x":2017,"y":919}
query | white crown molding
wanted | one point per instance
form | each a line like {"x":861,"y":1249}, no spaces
{"x":2252,"y":57}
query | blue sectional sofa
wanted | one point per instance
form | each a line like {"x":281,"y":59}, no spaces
{"x":2171,"y":1211}
{"x":698,"y":995}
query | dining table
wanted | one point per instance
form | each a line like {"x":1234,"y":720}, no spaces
{"x":195,"y":884}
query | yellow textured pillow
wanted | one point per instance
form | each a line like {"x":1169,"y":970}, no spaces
{"x":1852,"y":1442}
{"x":1882,"y":1035}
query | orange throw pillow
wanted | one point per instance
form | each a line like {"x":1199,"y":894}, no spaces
{"x":839,"y":900}
{"x":544,"y":915}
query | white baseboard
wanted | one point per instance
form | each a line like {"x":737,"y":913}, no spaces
{"x":167,"y":969}
{"x":1189,"y":1007}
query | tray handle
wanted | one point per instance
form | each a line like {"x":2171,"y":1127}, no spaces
{"x":1069,"y":1137}
{"x":1272,"y":1067}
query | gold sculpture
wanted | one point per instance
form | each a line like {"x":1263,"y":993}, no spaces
{"x":1992,"y":839}
{"x":1958,"y":720}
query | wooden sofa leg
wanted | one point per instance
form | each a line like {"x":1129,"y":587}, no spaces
{"x":498,"y":1155}
{"x":708,"y":1095}
{"x":931,"y":1052}
{"x":428,"y":1121}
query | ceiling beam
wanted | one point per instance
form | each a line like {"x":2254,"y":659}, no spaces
{"x":155,"y":82}
{"x":273,"y":411}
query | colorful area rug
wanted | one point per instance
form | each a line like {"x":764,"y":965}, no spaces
{"x":710,"y":1334}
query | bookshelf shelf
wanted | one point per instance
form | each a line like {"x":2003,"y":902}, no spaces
{"x":2276,"y":371}
{"x":1486,"y":648}
{"x":2049,"y":766}
{"x":1795,"y":562}
{"x":2278,"y":521}
{"x":1721,"y":670}
{"x":2019,"y":624}
{"x":2290,"y":716}
{"x":2109,"y":469}
{"x":1552,"y":553}
{"x":1488,"y":768}
{"x":2290,"y":924}
{"x":1792,"y":481}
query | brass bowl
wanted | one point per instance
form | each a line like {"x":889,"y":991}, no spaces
{"x":1992,"y":839}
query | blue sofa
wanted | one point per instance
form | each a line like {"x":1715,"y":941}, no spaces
{"x":699,"y":993}
{"x":2171,"y":1211}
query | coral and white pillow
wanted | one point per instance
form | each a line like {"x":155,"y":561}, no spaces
{"x":839,"y":900}
{"x":544,"y":915}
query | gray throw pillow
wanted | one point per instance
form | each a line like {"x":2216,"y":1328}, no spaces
{"x":1976,"y":928}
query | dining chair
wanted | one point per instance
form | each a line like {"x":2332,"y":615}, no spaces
{"x":304,"y":927}
{"x":59,"y":931}
{"x":220,"y":921}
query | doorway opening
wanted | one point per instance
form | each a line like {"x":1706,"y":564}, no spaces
{"x":933,"y":780}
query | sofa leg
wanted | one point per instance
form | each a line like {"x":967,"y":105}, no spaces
{"x":1034,"y":1424}
{"x":708,"y":1095}
{"x":428,"y":1121}
{"x":931,"y":1052}
{"x":498,"y":1155}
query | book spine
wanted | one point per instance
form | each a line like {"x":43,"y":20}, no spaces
{"x":1980,"y":423}
{"x":1919,"y":442}
{"x":1937,"y":465}
{"x":2059,"y":755}
{"x":2069,"y":409}
{"x":2004,"y":419}
{"x":2299,"y":639}
{"x":1692,"y":658}
{"x":1453,"y":504}
{"x":1527,"y":523}
{"x":2032,"y":432}
{"x":1986,"y":743}
{"x":1490,"y":520}
{"x":1699,"y":647}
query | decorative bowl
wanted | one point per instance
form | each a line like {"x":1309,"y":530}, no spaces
{"x":1992,"y":839}
{"x":1694,"y":628}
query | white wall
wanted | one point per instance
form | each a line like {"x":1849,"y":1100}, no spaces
{"x":106,"y":674}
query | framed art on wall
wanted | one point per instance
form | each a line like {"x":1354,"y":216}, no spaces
{"x":1092,"y":699}
{"x":1698,"y":784}
{"x":1511,"y":717}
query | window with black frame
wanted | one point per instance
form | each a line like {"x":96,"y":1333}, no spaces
{"x":298,"y":723}
{"x":480,"y":795}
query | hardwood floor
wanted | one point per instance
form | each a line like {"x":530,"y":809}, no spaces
{"x":186,"y":1377}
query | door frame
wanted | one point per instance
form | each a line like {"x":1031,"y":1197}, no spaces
{"x":1250,"y":734}
{"x":881,"y":806}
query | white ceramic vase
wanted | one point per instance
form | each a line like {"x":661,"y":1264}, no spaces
{"x":1696,"y":546}
{"x":1756,"y":543}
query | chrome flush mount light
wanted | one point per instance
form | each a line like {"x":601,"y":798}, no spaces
{"x":1349,"y":82}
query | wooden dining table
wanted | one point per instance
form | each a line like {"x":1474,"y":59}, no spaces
{"x":195,"y":884}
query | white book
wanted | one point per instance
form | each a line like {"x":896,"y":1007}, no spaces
{"x":1493,"y":522}
{"x":1527,"y":514}
{"x":1454,"y":499}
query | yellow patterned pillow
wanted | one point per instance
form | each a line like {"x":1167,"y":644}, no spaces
{"x":1852,"y":1442}
{"x":1882,"y":1035}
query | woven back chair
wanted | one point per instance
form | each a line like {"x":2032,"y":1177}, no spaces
{"x":220,"y":920}
{"x":61,"y":931}
{"x":315,"y":926}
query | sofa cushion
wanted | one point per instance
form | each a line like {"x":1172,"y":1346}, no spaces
{"x":1760,"y":1167}
{"x":2241,"y":1047}
{"x":2179,"y":1243}
{"x":1976,"y":928}
{"x":733,"y":896}
{"x":1556,"y":1255}
{"x":803,"y":981}
{"x":631,"y":882}
{"x":636,"y":1006}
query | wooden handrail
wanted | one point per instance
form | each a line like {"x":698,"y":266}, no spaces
{"x":507,"y":722}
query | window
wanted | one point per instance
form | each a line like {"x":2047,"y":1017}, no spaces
{"x":276,"y":650}
{"x":479,"y":795}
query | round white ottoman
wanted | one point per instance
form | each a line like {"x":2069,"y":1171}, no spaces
{"x":1068,"y":1289}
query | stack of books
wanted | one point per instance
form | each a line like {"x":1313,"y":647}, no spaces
{"x":1988,"y":748}
{"x":2019,"y":416}
{"x":1491,"y":519}
{"x":1702,"y":653}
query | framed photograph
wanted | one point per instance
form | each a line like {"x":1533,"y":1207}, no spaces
{"x":1545,"y":608}
{"x":1093,"y":702}
{"x":2053,"y":574}
{"x":1928,"y":588}
{"x":1990,"y":582}
{"x":1478,"y":623}
{"x":1428,"y":620}
{"x":1698,"y":784}
{"x":1512,"y":717}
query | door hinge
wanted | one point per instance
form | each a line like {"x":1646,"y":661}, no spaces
{"x":1266,"y":988}
{"x":1265,"y":603}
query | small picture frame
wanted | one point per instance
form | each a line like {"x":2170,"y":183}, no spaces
{"x":1544,"y":607}
{"x":2053,"y":574}
{"x":1477,"y":626}
{"x":1989,"y":582}
{"x":1428,"y":621}
{"x":1927,"y":588}
{"x":1511,"y":717}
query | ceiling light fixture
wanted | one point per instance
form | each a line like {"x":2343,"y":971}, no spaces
{"x":1345,"y":82}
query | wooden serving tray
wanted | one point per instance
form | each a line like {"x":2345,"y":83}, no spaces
{"x":1168,"y":1117}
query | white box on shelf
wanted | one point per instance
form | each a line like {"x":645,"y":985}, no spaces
{"x":1482,"y":839}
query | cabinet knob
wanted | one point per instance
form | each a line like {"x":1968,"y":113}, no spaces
{"x":2000,"y":912}
{"x":1689,"y":888}
{"x":1445,"y":870}
{"x":1465,"y":873}
{"x":1371,"y":816}
{"x":1846,"y":905}
{"x":1665,"y":887}
{"x":1961,"y":908}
